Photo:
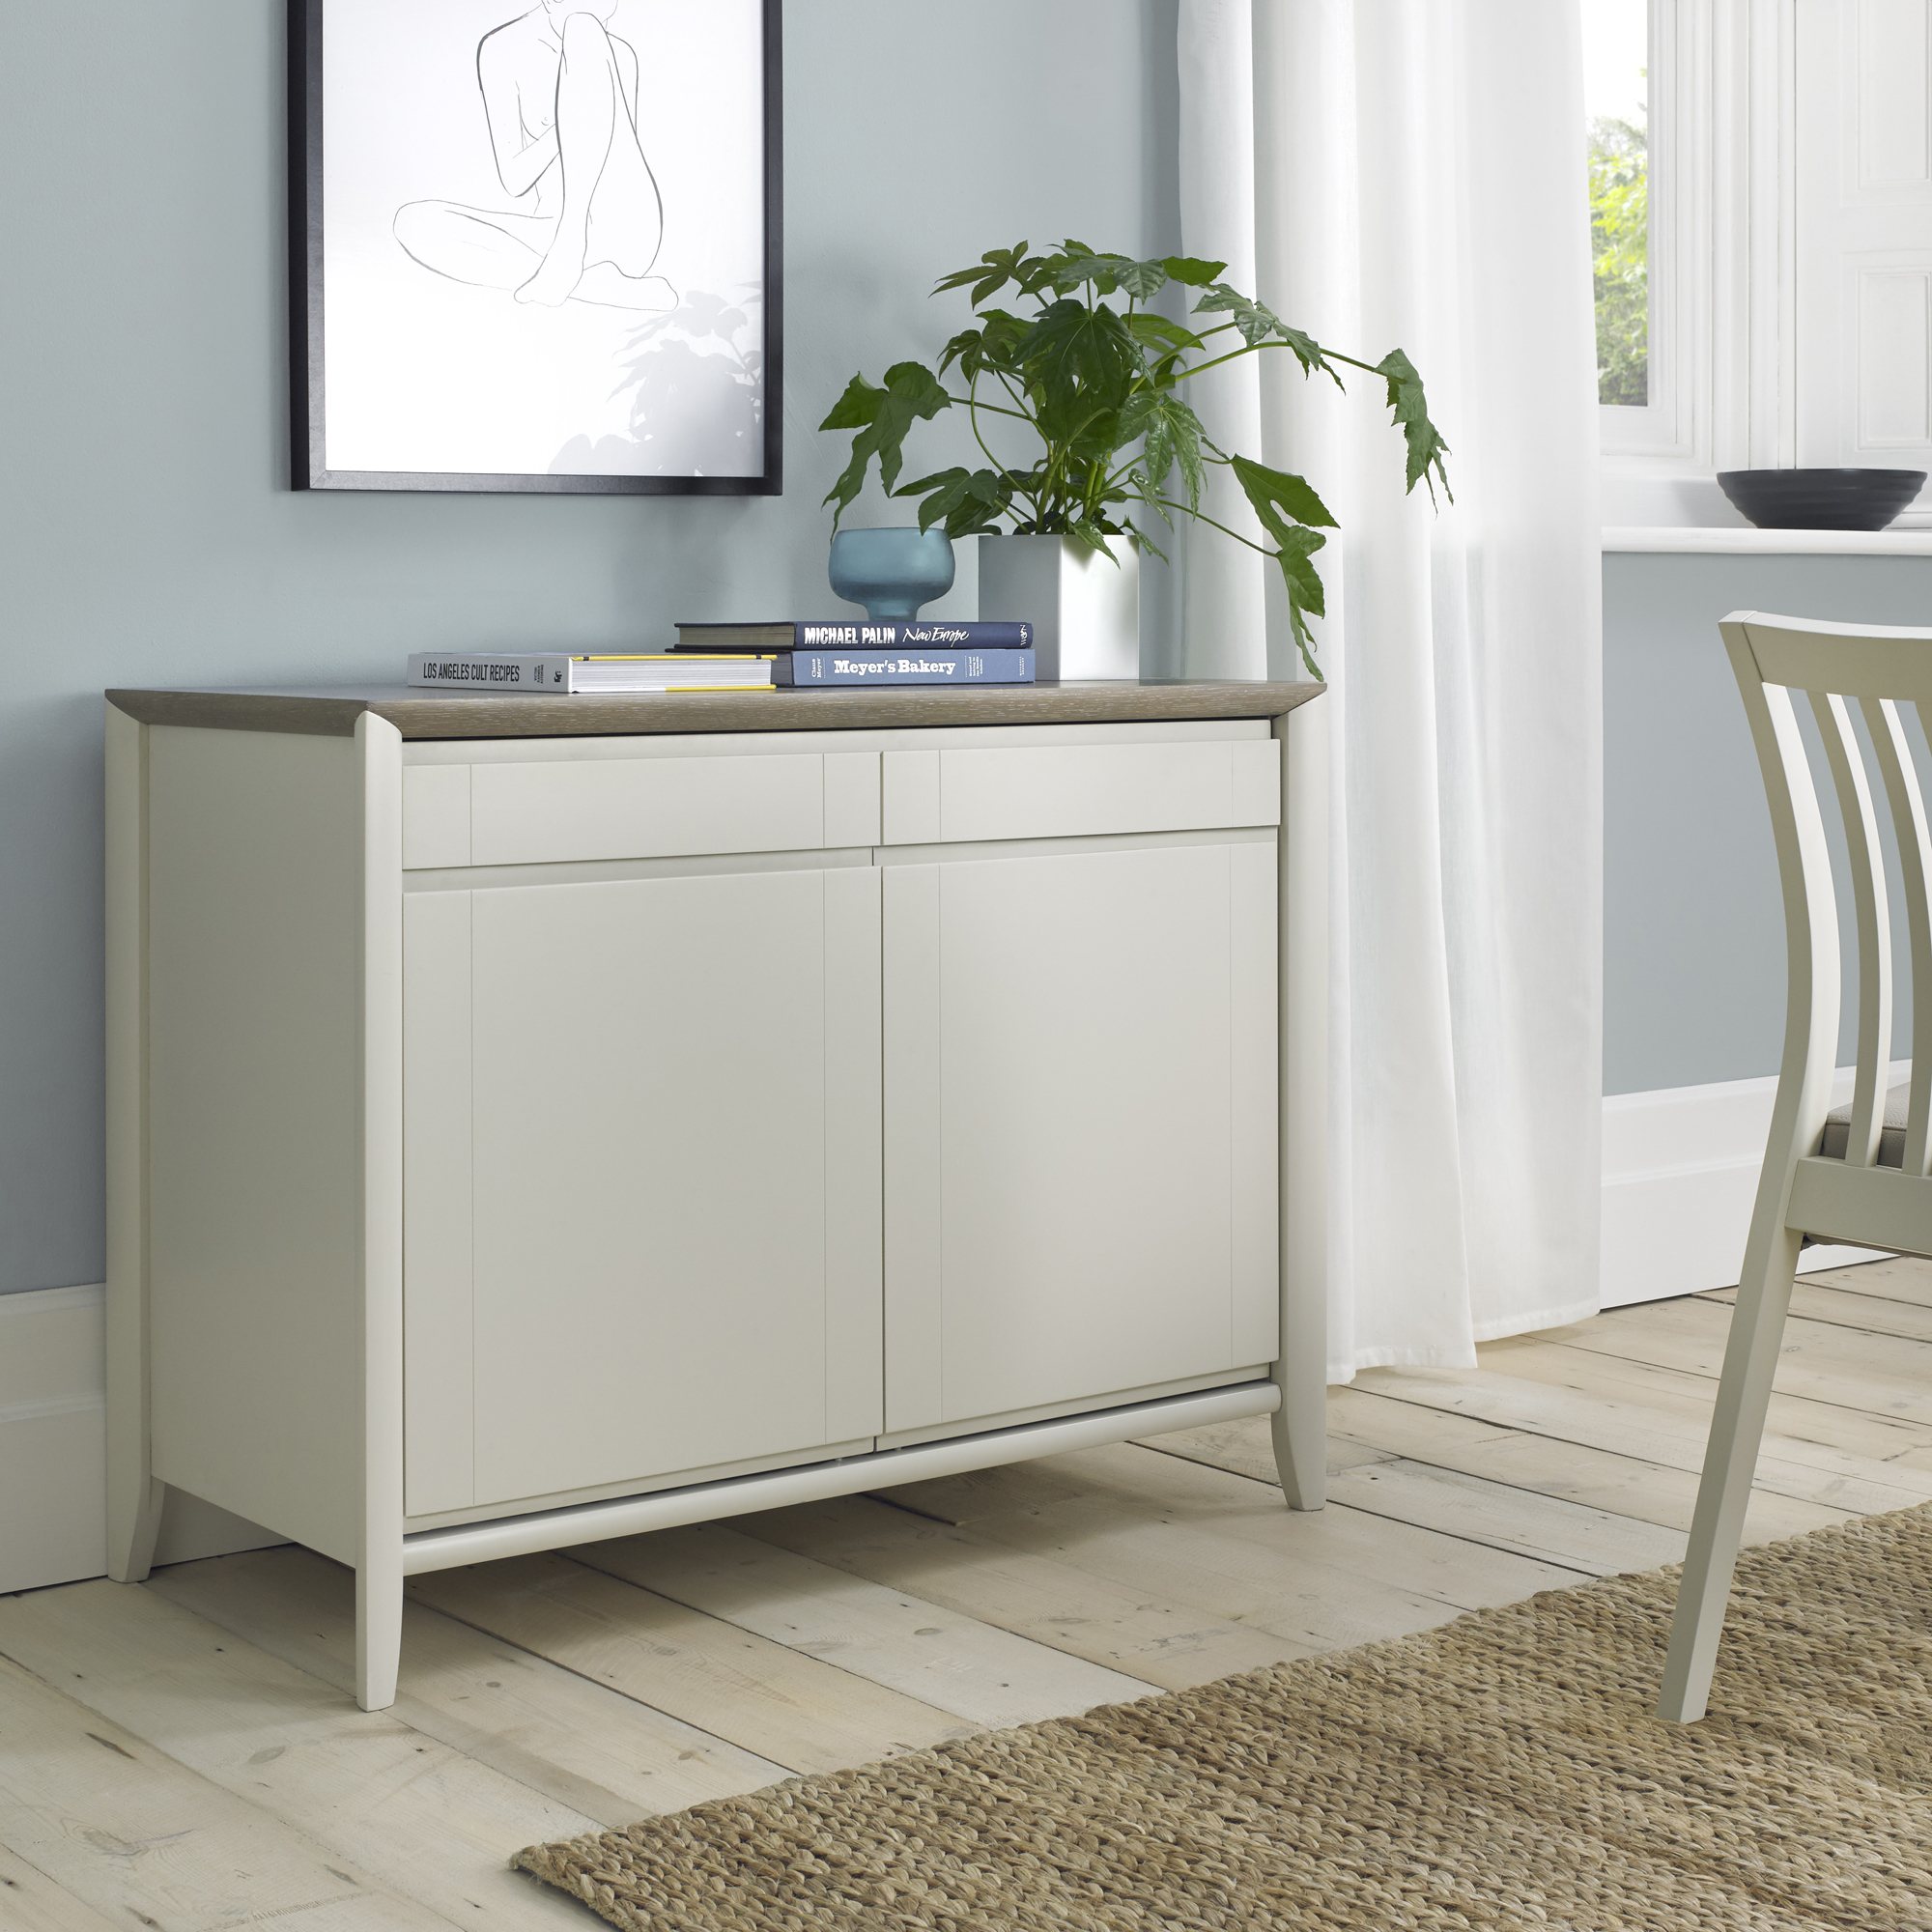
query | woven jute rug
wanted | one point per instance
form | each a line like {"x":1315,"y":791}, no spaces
{"x":1505,"y":1771}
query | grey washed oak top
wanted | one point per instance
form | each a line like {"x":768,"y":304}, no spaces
{"x":323,"y":711}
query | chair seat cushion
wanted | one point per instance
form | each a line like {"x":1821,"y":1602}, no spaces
{"x":1891,"y":1135}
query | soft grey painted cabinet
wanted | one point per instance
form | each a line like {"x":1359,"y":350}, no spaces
{"x":1080,"y":1124}
{"x":662,"y":1251}
{"x":532,"y":1123}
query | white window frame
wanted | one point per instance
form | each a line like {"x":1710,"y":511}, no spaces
{"x":1666,"y":425}
{"x":1721,"y":118}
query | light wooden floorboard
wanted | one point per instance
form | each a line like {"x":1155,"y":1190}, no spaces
{"x":1817,"y":1299}
{"x":1903,"y":1279}
{"x":600,"y":1753}
{"x":112,"y":1825}
{"x":1502,"y":1515}
{"x":956,"y":1664}
{"x":427,"y":1822}
{"x":1173,"y":1645}
{"x":185,"y":1755}
{"x":1845,"y":1367}
{"x":806,"y":1714}
{"x":1816,"y":1451}
{"x":30,"y":1901}
{"x":1622,"y":1485}
{"x":1132,"y":1485}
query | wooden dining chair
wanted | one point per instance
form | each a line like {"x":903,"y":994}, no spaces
{"x":1857,"y":1175}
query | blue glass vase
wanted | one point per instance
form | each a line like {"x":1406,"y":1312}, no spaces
{"x":892,"y":573}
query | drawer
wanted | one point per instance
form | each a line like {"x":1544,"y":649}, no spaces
{"x":1061,"y":791}
{"x":555,"y":810}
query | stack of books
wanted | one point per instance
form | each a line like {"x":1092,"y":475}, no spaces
{"x":803,"y":656}
{"x":815,"y":655}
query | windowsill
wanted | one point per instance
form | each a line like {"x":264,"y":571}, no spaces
{"x":1743,"y":540}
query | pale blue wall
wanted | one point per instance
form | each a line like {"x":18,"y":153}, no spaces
{"x":147,"y":537}
{"x":146,"y":532}
{"x":1694,"y":967}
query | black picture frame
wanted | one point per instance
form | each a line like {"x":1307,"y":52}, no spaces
{"x":309,"y":376}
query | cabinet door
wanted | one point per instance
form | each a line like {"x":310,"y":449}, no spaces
{"x":642,"y":1178}
{"x":1080,"y":1124}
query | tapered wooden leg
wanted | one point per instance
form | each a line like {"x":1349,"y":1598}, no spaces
{"x":133,"y":1496}
{"x":134,"y":1521}
{"x":1300,"y":1425}
{"x":1300,"y":1430}
{"x":379,"y":1631}
{"x":1736,"y":1428}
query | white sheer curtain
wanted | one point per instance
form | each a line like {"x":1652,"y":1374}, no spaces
{"x":1410,"y":173}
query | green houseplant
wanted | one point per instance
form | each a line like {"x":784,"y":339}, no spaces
{"x":1064,"y":345}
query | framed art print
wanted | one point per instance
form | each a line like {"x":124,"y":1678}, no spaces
{"x":535,"y":246}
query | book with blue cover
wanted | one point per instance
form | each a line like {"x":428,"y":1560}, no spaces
{"x":917,"y":633}
{"x":804,"y":669}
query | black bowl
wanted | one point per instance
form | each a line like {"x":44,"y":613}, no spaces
{"x":1821,"y":499}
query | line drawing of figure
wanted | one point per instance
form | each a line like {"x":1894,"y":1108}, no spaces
{"x":560,"y":98}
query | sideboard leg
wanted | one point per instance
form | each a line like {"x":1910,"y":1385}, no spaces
{"x":133,"y":1522}
{"x":378,"y":1633}
{"x":378,"y":1568}
{"x":1300,"y":1425}
{"x":133,"y":1496}
{"x":1300,"y":1439}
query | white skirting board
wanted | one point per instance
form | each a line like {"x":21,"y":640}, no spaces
{"x":1680,"y":1172}
{"x":53,"y":1514}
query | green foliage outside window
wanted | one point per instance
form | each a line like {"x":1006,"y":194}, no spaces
{"x":1620,"y":259}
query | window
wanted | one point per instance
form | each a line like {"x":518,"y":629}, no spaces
{"x":1616,"y":83}
{"x":1760,"y":207}
{"x":1649,"y":96}
{"x":1682,"y":99}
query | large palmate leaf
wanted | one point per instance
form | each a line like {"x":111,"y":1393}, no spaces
{"x":964,"y":500}
{"x":993,"y":345}
{"x":1108,"y":272}
{"x":993,"y":270}
{"x":1286,"y":507}
{"x":1174,"y":439}
{"x":1191,"y":270}
{"x":1426,"y":447}
{"x":1259,"y":326}
{"x":1255,"y":320}
{"x":1305,"y":599}
{"x":1080,"y":360}
{"x":1076,"y":265}
{"x":1166,"y":344}
{"x":968,"y":349}
{"x":882,"y":417}
{"x":1280,"y":499}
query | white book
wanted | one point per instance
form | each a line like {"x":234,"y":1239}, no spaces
{"x":565,"y":671}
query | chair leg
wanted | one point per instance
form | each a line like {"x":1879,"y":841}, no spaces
{"x":1736,"y":1428}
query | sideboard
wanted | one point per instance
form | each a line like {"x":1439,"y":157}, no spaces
{"x":539,"y":1119}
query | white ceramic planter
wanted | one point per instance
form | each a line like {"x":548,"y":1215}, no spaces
{"x":1085,"y":609}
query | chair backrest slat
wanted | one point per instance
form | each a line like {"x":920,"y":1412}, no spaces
{"x":1810,"y":903}
{"x":1873,"y":914}
{"x":1906,"y":800}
